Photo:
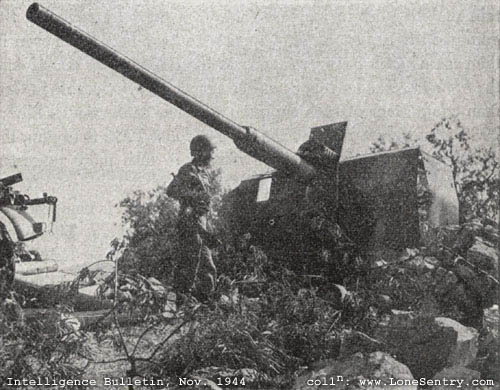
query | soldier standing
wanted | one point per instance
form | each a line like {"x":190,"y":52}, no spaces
{"x":195,"y":271}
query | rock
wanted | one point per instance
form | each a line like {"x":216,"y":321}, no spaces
{"x":445,"y":256}
{"x":423,"y":264}
{"x":490,"y":233}
{"x":426,"y":345}
{"x":432,"y":262}
{"x":483,"y":255}
{"x":468,"y":232}
{"x":417,"y":342}
{"x":350,"y":372}
{"x":380,"y":263}
{"x":465,"y":272}
{"x":448,"y":235}
{"x":446,"y":276}
{"x":402,"y":317}
{"x":487,"y":289}
{"x":383,"y":255}
{"x":465,"y":350}
{"x":457,"y":373}
{"x":490,"y":222}
{"x":481,"y":288}
{"x":408,"y":254}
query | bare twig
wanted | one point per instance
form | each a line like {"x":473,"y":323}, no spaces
{"x":122,"y":359}
{"x":116,"y":282}
{"x":122,"y":339}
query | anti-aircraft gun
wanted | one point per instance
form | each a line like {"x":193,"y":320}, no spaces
{"x":13,"y":211}
{"x":381,"y":200}
{"x":14,"y":206}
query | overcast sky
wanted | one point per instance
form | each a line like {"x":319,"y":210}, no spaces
{"x":86,"y":134}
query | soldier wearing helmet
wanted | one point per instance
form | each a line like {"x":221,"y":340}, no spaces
{"x":195,"y":272}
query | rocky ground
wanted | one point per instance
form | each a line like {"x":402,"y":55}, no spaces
{"x":436,"y":311}
{"x":441,"y":318}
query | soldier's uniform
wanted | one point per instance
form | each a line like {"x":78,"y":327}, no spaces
{"x":195,"y":272}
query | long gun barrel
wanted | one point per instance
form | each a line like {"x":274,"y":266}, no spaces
{"x":249,"y":140}
{"x":11,"y":180}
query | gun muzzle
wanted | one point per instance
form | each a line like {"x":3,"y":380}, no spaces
{"x":12,"y":179}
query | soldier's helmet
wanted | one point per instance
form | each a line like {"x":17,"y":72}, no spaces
{"x":201,"y":143}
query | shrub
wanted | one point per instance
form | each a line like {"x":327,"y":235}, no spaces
{"x":45,"y":347}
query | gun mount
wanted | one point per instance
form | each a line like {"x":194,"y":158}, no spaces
{"x":14,"y":206}
{"x":377,"y":198}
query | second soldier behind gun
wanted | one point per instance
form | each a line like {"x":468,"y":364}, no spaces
{"x":195,"y":272}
